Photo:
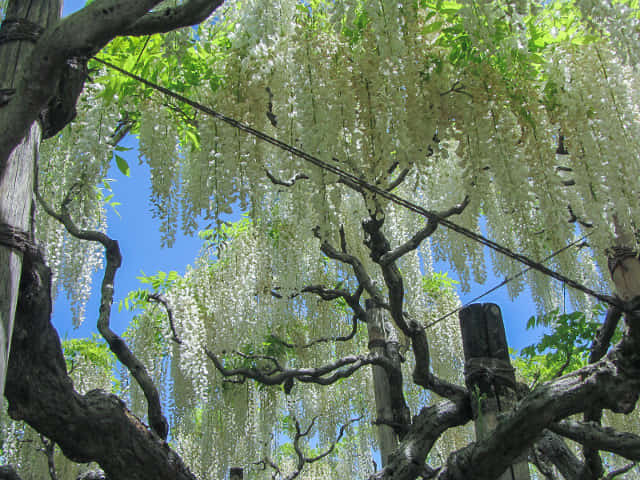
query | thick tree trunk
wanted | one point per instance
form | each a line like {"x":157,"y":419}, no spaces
{"x":23,"y":22}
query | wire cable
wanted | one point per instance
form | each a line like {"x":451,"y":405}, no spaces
{"x":504,"y":282}
{"x":372,"y":188}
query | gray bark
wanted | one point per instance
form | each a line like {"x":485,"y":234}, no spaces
{"x":489,"y":375}
{"x":96,"y":427}
{"x":387,"y":438}
{"x":17,"y":178}
{"x":600,"y":438}
{"x":552,"y":448}
{"x":407,"y":461}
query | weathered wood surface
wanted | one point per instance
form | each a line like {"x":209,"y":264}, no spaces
{"x":236,"y":473}
{"x":387,"y":438}
{"x":18,"y":175}
{"x":489,"y":374}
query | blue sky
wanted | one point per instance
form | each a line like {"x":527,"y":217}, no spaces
{"x":139,"y":238}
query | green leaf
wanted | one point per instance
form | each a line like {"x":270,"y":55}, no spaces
{"x":432,"y":27}
{"x":122,"y":164}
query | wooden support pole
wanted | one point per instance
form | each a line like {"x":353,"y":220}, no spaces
{"x":236,"y":473}
{"x":489,"y":374}
{"x":624,"y":268}
{"x":387,"y":438}
{"x":24,"y":21}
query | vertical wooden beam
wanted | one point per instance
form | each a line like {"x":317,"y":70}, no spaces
{"x":24,"y":20}
{"x":387,"y":438}
{"x":624,"y":268}
{"x":236,"y":473}
{"x":489,"y":374}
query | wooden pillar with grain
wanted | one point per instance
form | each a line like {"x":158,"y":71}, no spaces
{"x":20,"y":29}
{"x":236,"y":473}
{"x":387,"y":438}
{"x":489,"y":374}
{"x":624,"y":268}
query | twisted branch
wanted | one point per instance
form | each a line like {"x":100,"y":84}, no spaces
{"x":358,"y":268}
{"x":302,"y":458}
{"x":116,"y":343}
{"x":324,"y":375}
{"x":159,"y":298}
{"x":286,"y":183}
{"x":597,"y":437}
{"x":330,"y":294}
{"x":553,"y":449}
{"x":599,"y":347}
{"x":421,"y":235}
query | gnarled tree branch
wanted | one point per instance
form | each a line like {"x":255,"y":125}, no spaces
{"x":331,"y":294}
{"x":611,"y":383}
{"x":302,"y":459}
{"x":593,"y":463}
{"x":159,"y":298}
{"x":358,"y":268}
{"x":82,"y":35}
{"x":422,"y":374}
{"x":172,"y":18}
{"x":116,"y":344}
{"x":324,"y":375}
{"x":597,"y":437}
{"x":421,"y":235}
{"x":96,"y":427}
{"x":553,"y":449}
{"x":605,"y":333}
{"x":407,"y":461}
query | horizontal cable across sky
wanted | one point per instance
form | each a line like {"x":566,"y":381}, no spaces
{"x":476,"y":237}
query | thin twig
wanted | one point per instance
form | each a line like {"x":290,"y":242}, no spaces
{"x":159,"y":298}
{"x":619,"y":471}
{"x":286,"y":183}
{"x":302,"y":459}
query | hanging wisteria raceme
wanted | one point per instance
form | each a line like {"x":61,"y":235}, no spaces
{"x":212,"y":307}
{"x":529,"y":116}
{"x":537,"y":126}
{"x":266,"y":307}
{"x":74,"y":165}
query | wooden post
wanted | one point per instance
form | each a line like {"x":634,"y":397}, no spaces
{"x":489,"y":374}
{"x":236,"y":473}
{"x":24,"y":20}
{"x":624,"y":268}
{"x":387,"y":438}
